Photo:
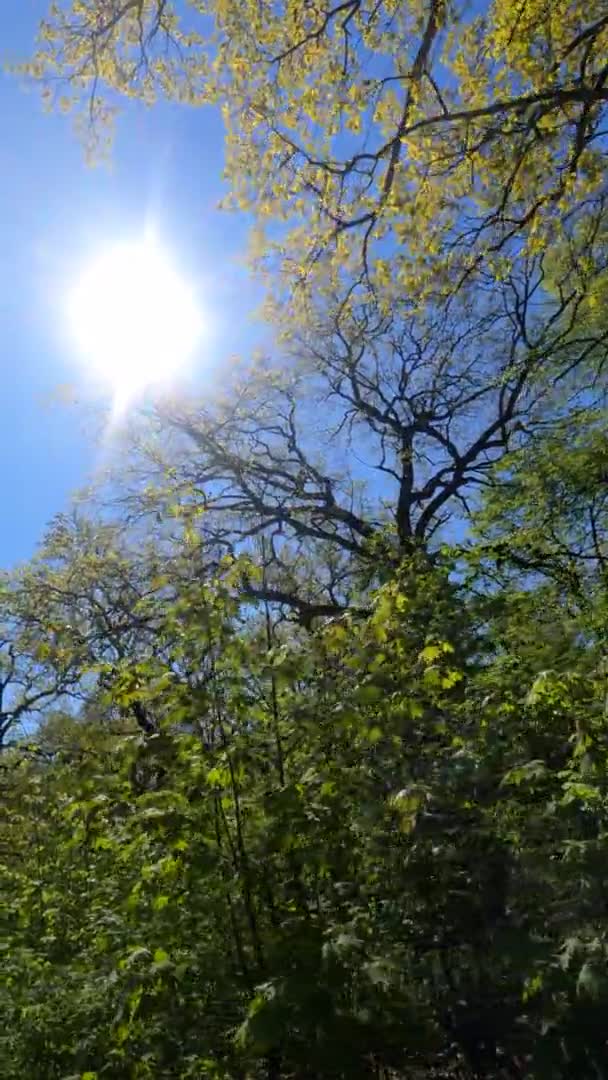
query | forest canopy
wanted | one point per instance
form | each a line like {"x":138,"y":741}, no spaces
{"x":303,"y":710}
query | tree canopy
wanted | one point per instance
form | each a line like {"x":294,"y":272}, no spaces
{"x":304,"y":712}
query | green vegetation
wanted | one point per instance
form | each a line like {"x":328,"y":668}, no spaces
{"x":315,"y":782}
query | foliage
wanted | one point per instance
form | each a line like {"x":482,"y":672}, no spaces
{"x":365,"y":125}
{"x":373,"y":851}
{"x":408,"y":167}
{"x":319,"y":784}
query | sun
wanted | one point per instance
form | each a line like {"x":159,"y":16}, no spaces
{"x":134,"y":319}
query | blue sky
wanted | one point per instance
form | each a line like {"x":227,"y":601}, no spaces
{"x":55,"y":213}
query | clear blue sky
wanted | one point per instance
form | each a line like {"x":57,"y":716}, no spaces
{"x":56,"y":211}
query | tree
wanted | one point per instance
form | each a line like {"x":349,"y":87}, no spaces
{"x":378,"y":851}
{"x":450,"y":136}
{"x":376,"y":438}
{"x":418,"y":160}
{"x":547,"y":515}
{"x":27,"y":683}
{"x":369,"y":842}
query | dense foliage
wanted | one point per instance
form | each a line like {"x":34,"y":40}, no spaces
{"x":304,"y":713}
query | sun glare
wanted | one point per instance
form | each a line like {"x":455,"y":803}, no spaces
{"x":135,"y":321}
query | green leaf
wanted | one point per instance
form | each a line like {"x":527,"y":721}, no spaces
{"x":433,"y":651}
{"x":528,"y":773}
